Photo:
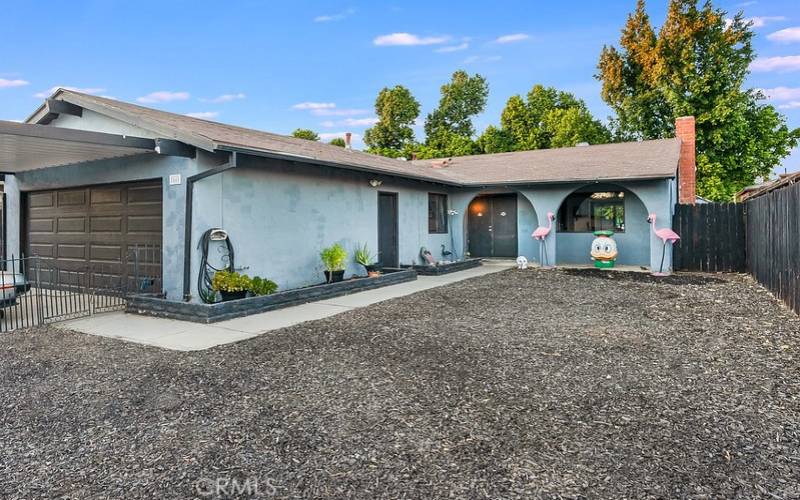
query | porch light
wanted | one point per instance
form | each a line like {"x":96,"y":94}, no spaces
{"x":375,"y":182}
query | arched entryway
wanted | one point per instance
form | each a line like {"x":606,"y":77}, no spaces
{"x":498,"y":225}
{"x":602,"y":207}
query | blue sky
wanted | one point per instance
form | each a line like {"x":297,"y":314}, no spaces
{"x":319,"y":65}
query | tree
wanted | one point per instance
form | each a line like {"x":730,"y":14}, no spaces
{"x":449,"y":127}
{"x":549,"y":118}
{"x":392,"y":135}
{"x":696,"y":65}
{"x":338,"y":141}
{"x":304,"y":133}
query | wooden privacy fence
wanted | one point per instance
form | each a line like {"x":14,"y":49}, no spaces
{"x":773,"y":242}
{"x":712,"y":237}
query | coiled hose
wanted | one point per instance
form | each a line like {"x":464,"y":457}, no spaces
{"x":207,"y":270}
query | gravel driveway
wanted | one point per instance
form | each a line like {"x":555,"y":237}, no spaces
{"x":521,"y":384}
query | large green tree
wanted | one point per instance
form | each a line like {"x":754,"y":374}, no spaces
{"x":304,"y":133}
{"x":448,"y":128}
{"x":548,"y":118}
{"x":696,"y":65}
{"x":392,"y":135}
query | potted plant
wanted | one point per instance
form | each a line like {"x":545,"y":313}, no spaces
{"x":333,"y":258}
{"x":262,"y":286}
{"x":364,"y":257}
{"x":230,"y":284}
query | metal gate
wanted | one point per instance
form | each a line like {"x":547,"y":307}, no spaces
{"x":37,"y":291}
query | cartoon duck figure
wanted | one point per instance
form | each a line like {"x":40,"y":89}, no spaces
{"x":604,"y":249}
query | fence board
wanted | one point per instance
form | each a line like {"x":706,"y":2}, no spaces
{"x":712,"y":238}
{"x":773,"y":242}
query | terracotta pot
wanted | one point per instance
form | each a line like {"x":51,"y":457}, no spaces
{"x":373,"y":274}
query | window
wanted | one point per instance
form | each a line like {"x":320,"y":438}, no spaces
{"x":437,"y":213}
{"x":589,"y":212}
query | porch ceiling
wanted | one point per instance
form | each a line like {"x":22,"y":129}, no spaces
{"x":25,"y":147}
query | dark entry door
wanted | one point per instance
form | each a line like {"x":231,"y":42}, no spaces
{"x":492,"y":226}
{"x":388,"y":240}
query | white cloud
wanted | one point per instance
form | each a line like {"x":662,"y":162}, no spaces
{"x":790,"y":105}
{"x":350,"y":122}
{"x":339,"y":112}
{"x":326,"y":18}
{"x":408,"y":39}
{"x":777,"y":63}
{"x":163,"y":96}
{"x":757,"y":21}
{"x":453,"y":48}
{"x":787,"y":35}
{"x":326,"y":136}
{"x":7,"y":84}
{"x":225,"y":98}
{"x":481,"y":59}
{"x":205,"y":115}
{"x":314,"y":105}
{"x":516,"y":37}
{"x":85,"y":90}
{"x":782,"y":93}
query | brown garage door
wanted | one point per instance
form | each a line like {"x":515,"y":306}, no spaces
{"x":97,"y":227}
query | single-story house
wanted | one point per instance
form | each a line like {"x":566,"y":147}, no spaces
{"x":87,"y":178}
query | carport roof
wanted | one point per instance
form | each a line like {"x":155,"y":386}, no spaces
{"x":625,"y":161}
{"x":27,"y":147}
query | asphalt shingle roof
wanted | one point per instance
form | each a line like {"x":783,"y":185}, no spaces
{"x":632,"y":160}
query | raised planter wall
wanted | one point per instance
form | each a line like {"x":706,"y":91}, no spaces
{"x":211,"y":313}
{"x":446,"y":268}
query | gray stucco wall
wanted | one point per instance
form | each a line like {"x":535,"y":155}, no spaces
{"x":280,"y":215}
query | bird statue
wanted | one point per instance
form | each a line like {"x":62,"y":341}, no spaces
{"x":446,"y":253}
{"x":540,"y":234}
{"x":666,"y":235}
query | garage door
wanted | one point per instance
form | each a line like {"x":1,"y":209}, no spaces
{"x":97,"y":227}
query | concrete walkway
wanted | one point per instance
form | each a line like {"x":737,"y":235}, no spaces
{"x":186,"y":336}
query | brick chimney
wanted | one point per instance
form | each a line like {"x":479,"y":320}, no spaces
{"x":684,"y":130}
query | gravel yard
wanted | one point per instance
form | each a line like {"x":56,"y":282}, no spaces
{"x":520,"y":384}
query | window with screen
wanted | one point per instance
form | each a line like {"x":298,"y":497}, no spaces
{"x":589,"y":212}
{"x":437,"y":213}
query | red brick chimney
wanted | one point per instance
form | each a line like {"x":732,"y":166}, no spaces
{"x":684,"y":130}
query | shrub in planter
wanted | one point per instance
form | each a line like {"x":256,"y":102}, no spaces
{"x":333,"y":258}
{"x":262,"y":286}
{"x":364,"y":257}
{"x":230,"y":284}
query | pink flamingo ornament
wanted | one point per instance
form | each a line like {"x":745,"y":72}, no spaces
{"x":540,"y":234}
{"x":666,"y":235}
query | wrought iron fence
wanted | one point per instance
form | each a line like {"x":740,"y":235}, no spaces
{"x":37,"y":290}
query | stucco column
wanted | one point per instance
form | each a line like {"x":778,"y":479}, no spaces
{"x":13,"y":209}
{"x":544,"y":201}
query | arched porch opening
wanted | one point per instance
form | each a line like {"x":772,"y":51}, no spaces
{"x":498,"y":224}
{"x":602,"y":206}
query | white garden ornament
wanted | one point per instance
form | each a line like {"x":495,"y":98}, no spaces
{"x":522,"y":262}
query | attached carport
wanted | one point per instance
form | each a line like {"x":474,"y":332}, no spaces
{"x":81,"y":226}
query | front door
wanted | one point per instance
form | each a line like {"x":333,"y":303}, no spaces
{"x":388,"y":230}
{"x":492,"y":226}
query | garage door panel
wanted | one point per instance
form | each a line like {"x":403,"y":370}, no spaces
{"x":107,"y":224}
{"x":71,"y":198}
{"x":145,"y":195}
{"x":71,"y":225}
{"x":41,"y":200}
{"x":96,"y":227}
{"x":104,"y":196}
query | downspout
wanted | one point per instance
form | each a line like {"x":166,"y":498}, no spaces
{"x":232,"y":162}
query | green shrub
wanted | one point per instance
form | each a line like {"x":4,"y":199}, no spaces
{"x":333,"y":257}
{"x":363,"y":256}
{"x":230,"y":281}
{"x":262,"y":286}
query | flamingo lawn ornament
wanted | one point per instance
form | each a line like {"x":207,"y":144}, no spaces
{"x":666,"y":235}
{"x":540,"y":234}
